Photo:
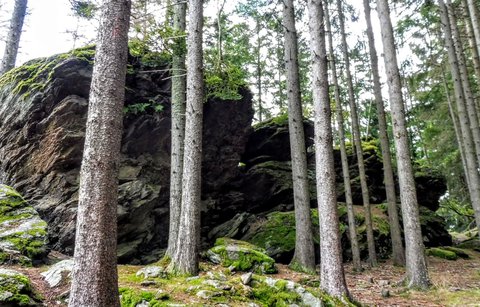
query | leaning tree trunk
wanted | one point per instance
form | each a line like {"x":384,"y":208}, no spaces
{"x":343,"y":151}
{"x":94,"y":280}
{"x":372,"y":255}
{"x":304,"y":257}
{"x":417,"y":273}
{"x":178,"y":123}
{"x":398,"y":253}
{"x":13,"y":36}
{"x":332,"y":277}
{"x":467,"y":91}
{"x":466,"y":132}
{"x":185,"y":259}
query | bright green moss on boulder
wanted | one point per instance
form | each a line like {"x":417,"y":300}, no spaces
{"x":442,"y":253}
{"x":240,"y":255}
{"x":16,"y":289}
{"x":131,"y":298}
{"x":23,"y":234}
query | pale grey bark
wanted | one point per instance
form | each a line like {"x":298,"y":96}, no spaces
{"x":13,"y":36}
{"x":343,"y":151}
{"x":259,"y":73}
{"x":417,"y":273}
{"x":332,"y":277}
{"x":304,"y":254}
{"x":94,"y":280}
{"x":178,"y":123}
{"x":372,"y":255}
{"x":473,"y":12}
{"x":467,"y":138}
{"x":456,"y":128}
{"x":398,"y":253}
{"x":471,"y":41}
{"x":467,"y":91}
{"x":185,"y":259}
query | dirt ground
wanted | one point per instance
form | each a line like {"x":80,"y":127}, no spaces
{"x":454,"y":283}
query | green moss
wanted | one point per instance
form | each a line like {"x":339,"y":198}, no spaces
{"x":131,"y":297}
{"x":280,"y":120}
{"x":273,"y":296}
{"x":459,"y":252}
{"x":9,"y":200}
{"x":21,"y":289}
{"x":441,"y":253}
{"x":295,"y":266}
{"x":243,"y":256}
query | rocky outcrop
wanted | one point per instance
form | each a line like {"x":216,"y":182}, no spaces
{"x":43,"y":107}
{"x":23,"y":234}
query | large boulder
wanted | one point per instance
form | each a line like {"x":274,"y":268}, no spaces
{"x":43,"y":109}
{"x":23,"y":235}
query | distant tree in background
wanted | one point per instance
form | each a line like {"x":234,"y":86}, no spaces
{"x":13,"y":36}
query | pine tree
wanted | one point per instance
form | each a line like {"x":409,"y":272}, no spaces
{"x":304,"y":254}
{"x":94,"y":280}
{"x":185,"y":259}
{"x":417,"y":273}
{"x":13,"y":37}
{"x":332,"y":277}
{"x":178,"y":123}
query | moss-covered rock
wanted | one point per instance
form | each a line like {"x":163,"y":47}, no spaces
{"x":242,"y":256}
{"x":134,"y":298}
{"x":16,"y":289}
{"x":23,"y":234}
{"x":441,"y":253}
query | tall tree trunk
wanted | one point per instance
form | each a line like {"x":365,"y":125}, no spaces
{"x":467,"y":91}
{"x":304,"y":256}
{"x":13,"y":36}
{"x":259,"y":74}
{"x":95,"y":270}
{"x":185,"y":259}
{"x":372,"y":255}
{"x":466,"y":132}
{"x":332,"y":277}
{"x":417,"y":273}
{"x":473,"y":10}
{"x":398,"y":253}
{"x":471,"y":40}
{"x":343,"y":151}
{"x":456,"y":128}
{"x":178,"y":123}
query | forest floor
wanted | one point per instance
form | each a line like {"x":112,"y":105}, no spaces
{"x":454,"y":283}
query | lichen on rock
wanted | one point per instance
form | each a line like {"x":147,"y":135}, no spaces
{"x":23,"y":234}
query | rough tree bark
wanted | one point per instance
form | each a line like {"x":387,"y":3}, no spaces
{"x":95,"y":271}
{"x":304,"y":257}
{"x":473,"y":10}
{"x":13,"y":36}
{"x":470,"y":155}
{"x":178,"y":123}
{"x":343,"y":151}
{"x":332,"y":277}
{"x":467,"y":91}
{"x":372,"y":255}
{"x":398,"y":253}
{"x":185,"y":259}
{"x":417,"y":273}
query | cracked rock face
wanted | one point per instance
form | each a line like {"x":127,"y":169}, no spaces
{"x":43,"y":109}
